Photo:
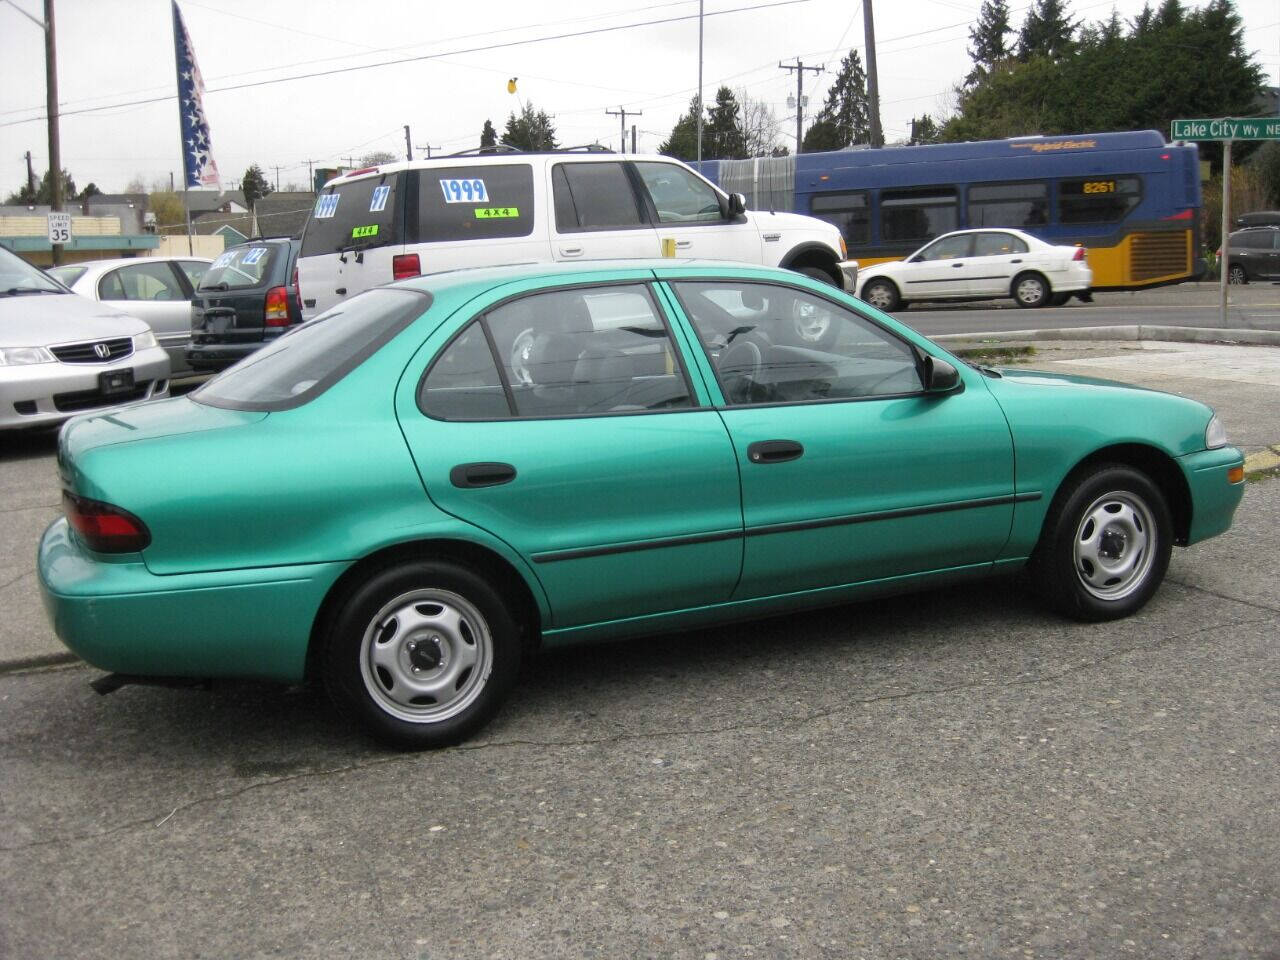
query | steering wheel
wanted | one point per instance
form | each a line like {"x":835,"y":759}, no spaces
{"x":740,"y":366}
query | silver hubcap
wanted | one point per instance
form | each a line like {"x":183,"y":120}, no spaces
{"x":426,"y":656}
{"x":879,"y":297}
{"x":1236,"y":275}
{"x":1030,"y":290}
{"x":1115,"y":546}
{"x":811,"y":322}
{"x":521,"y":349}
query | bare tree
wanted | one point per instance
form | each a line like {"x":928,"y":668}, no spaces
{"x":759,"y":125}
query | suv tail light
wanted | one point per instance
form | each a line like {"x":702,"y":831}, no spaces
{"x":1078,"y":255}
{"x":404,"y":265}
{"x":297,"y":288}
{"x":276,"y":313}
{"x":104,"y":528}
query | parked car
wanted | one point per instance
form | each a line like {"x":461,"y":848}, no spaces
{"x":1259,"y":218}
{"x":388,"y":503}
{"x":981,"y":265}
{"x":157,"y":290}
{"x":61,"y":353}
{"x":1253,"y":254}
{"x":248,"y":298}
{"x":398,"y":220}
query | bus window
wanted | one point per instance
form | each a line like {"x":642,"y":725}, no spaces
{"x":917,"y":214}
{"x":1009,"y":205}
{"x":850,"y":213}
{"x":1098,"y":199}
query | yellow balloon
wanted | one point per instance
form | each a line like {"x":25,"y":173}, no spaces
{"x":511,"y":85}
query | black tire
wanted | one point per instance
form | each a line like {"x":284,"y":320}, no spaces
{"x":1059,"y":299}
{"x":1030,"y":290}
{"x":884,"y":291}
{"x":1237,"y":275}
{"x":421,"y":654}
{"x":1105,"y":544}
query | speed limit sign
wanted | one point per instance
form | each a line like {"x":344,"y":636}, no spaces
{"x":59,"y":228}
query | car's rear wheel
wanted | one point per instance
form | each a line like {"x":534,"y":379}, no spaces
{"x":422,"y":654}
{"x":1105,"y":545}
{"x":1237,"y":275}
{"x":1031,"y":290}
{"x":813,"y":326}
{"x":882,"y":294}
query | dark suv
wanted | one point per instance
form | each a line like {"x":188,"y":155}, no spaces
{"x":248,"y":297}
{"x":1254,"y":254}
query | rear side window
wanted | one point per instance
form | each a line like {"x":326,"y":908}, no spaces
{"x":143,"y":281}
{"x":594,"y":196}
{"x":311,"y":358}
{"x":241,"y":268}
{"x":359,"y":214}
{"x":1100,"y":200}
{"x":474,"y":202}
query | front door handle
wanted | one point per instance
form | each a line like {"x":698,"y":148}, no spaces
{"x":774,"y":451}
{"x":683,"y":244}
{"x":341,"y":291}
{"x":957,"y":265}
{"x":481,"y":474}
{"x":1019,"y":260}
{"x":570,"y":251}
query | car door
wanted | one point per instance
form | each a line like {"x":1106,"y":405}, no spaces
{"x":851,"y":471}
{"x":694,"y":217}
{"x":153,"y":293}
{"x":594,"y":456}
{"x":597,"y":215}
{"x":939,"y":270}
{"x":997,"y":257}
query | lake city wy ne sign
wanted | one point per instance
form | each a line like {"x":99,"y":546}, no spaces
{"x":1266,"y":128}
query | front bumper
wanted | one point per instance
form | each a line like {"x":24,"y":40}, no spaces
{"x":1213,"y":498}
{"x":44,"y":394}
{"x":117,"y":615}
{"x":849,"y":275}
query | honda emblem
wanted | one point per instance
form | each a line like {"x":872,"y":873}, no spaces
{"x":102,"y":350}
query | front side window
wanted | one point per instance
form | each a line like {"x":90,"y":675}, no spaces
{"x":850,"y":213}
{"x":679,"y":195}
{"x":1098,"y":199}
{"x":1009,"y":205}
{"x":144,"y":281}
{"x":594,"y":196}
{"x":575,"y":352}
{"x":917,"y":215}
{"x":997,"y":244}
{"x":750,"y":333}
{"x":948,"y":248}
{"x":355,"y":215}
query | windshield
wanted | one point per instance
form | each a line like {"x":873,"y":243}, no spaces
{"x":313,"y":357}
{"x":19,"y":277}
{"x":67,"y":275}
{"x":240,"y":268}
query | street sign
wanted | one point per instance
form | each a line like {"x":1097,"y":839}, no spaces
{"x":1226,"y":128}
{"x":59,"y":228}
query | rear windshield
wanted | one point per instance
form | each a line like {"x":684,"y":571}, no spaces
{"x":360,"y":214}
{"x":310,"y":359}
{"x":240,"y":268}
{"x":480,"y":201}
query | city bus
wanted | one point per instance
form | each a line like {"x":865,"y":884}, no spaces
{"x":1132,"y":200}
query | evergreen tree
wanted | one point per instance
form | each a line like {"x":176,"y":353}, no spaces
{"x":43,"y":195}
{"x":1048,"y":31}
{"x":531,"y":130}
{"x":988,"y":38}
{"x":722,"y":135}
{"x":843,"y":119}
{"x":923,"y":130}
{"x":488,"y":138}
{"x":254,"y":185}
{"x":683,"y":141}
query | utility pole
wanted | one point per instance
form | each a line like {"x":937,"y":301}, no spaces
{"x":623,"y":112}
{"x":311,"y":177}
{"x":633,"y":138}
{"x":408,"y":144}
{"x":700,"y":81}
{"x":873,"y":81}
{"x":51,"y":109}
{"x":800,"y":68}
{"x":351,"y":162}
{"x":277,"y":169}
{"x":428,"y":149}
{"x":31,"y":178}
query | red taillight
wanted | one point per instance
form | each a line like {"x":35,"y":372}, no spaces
{"x":1078,"y":255}
{"x":276,"y":311}
{"x":104,"y":528}
{"x":297,"y":289}
{"x":405,"y":265}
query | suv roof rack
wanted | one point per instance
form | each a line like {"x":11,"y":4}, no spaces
{"x":508,"y":148}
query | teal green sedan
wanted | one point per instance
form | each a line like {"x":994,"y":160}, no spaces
{"x":407,"y":496}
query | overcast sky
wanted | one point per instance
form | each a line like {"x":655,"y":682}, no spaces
{"x":111,"y":52}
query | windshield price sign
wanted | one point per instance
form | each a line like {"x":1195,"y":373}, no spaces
{"x":1266,"y":128}
{"x":59,"y":228}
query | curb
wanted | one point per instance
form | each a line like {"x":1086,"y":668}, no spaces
{"x":38,"y":662}
{"x":1220,"y":335}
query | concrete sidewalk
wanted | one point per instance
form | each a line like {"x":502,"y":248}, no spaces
{"x":1241,"y":381}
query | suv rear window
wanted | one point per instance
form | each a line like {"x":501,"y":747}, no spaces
{"x":240,"y":268}
{"x":311,"y":358}
{"x":360,"y":214}
{"x":474,"y":202}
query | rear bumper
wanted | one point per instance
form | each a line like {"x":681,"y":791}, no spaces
{"x":118,"y":616}
{"x":219,"y":356}
{"x":1213,"y":498}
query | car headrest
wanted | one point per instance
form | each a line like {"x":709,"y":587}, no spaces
{"x":552,"y":360}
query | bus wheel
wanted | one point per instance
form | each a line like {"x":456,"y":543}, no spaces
{"x":1031,"y":290}
{"x":882,"y":295}
{"x":1237,"y":275}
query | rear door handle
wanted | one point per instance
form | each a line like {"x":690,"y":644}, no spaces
{"x":682,"y":244}
{"x":570,"y":251}
{"x":481,"y":474}
{"x":957,"y":265}
{"x":774,"y":451}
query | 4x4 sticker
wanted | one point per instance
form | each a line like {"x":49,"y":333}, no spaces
{"x":464,"y":191}
{"x":327,"y":206}
{"x":378,"y":203}
{"x":253,"y":256}
{"x":370,"y":231}
{"x":497,"y":213}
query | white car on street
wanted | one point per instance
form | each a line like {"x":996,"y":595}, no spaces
{"x":980,"y":265}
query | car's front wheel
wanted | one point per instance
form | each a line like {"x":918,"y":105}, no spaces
{"x":882,"y":294}
{"x":1031,"y":290}
{"x":1105,"y":545}
{"x":422,"y":654}
{"x":1237,"y":275}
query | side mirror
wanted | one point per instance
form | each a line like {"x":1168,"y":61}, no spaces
{"x":737,"y":204}
{"x":939,"y":376}
{"x":918,"y":258}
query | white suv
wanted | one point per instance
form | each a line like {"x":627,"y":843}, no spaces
{"x":399,"y":220}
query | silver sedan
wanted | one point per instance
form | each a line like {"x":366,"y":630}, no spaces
{"x":61,"y":354}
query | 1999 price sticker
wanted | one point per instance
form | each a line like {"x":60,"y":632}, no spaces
{"x":464,"y":191}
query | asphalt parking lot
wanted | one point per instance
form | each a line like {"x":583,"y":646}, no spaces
{"x":952,"y":774}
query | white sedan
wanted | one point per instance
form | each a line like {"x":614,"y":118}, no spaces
{"x":981,"y":265}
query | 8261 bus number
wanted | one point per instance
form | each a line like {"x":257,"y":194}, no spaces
{"x":1099,"y":186}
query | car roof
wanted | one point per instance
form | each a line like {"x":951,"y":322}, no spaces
{"x":101,"y":265}
{"x":489,"y":159}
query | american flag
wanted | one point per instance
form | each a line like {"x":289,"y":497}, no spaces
{"x":197,"y":150}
